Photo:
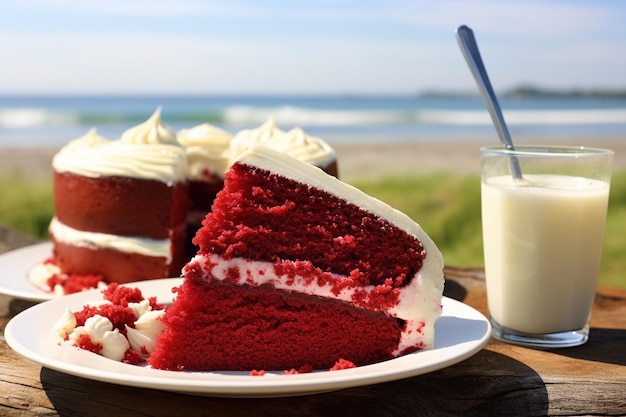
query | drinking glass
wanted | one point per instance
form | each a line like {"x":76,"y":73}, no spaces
{"x":542,"y":237}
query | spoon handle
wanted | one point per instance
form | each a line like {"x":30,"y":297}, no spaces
{"x":469,"y":48}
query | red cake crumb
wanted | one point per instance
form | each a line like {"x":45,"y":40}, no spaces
{"x":131,"y":357}
{"x":305,"y":369}
{"x":122,"y":295}
{"x":71,"y":283}
{"x":74,"y":283}
{"x":254,"y":372}
{"x":85,"y":342}
{"x":120,"y":316}
{"x":342,"y":364}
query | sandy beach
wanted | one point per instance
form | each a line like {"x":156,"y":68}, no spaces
{"x":368,"y":160}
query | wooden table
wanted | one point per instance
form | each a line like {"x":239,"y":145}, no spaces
{"x":500,"y":380}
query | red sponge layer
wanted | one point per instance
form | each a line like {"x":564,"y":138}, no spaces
{"x":222,"y":326}
{"x":113,"y":265}
{"x":119,"y":205}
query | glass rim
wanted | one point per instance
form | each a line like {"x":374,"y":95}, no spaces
{"x":548,"y":151}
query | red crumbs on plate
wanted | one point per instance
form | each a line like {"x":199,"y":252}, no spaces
{"x":305,"y":369}
{"x":122,"y":295}
{"x":342,"y":364}
{"x":119,"y":316}
{"x":131,"y":357}
{"x":119,"y":313}
{"x":71,"y":283}
{"x":85,"y":342}
{"x":74,"y":283}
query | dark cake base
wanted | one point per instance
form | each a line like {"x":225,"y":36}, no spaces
{"x":113,"y":265}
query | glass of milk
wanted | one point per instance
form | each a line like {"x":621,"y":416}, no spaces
{"x":542,"y":238}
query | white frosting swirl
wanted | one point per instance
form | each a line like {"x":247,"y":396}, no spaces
{"x":151,"y":323}
{"x":100,"y":330}
{"x":148,"y":151}
{"x":208,"y":151}
{"x":295,"y":143}
{"x":141,"y":307}
{"x":150,"y":132}
{"x":147,"y":329}
{"x":65,"y":325}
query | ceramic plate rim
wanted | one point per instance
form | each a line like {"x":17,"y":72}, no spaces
{"x":453,"y":344}
{"x":14,"y":268}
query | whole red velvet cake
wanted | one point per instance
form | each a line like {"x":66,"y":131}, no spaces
{"x":297,"y":270}
{"x":120,"y":206}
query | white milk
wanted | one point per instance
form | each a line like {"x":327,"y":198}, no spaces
{"x":543,"y":244}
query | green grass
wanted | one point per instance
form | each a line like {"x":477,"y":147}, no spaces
{"x":26,"y":205}
{"x":447,"y":206}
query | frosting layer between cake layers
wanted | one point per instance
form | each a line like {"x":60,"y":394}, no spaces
{"x":144,"y":246}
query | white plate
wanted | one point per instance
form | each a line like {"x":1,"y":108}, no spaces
{"x":460,"y":333}
{"x":14,"y":268}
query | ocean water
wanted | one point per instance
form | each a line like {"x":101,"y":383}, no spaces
{"x":53,"y":121}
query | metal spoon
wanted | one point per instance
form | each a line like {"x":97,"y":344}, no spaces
{"x":469,"y":47}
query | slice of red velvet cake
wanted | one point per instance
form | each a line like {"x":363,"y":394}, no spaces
{"x":297,"y":270}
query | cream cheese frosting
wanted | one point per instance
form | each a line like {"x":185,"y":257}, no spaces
{"x":151,"y":132}
{"x":147,"y":151}
{"x":295,"y":143}
{"x":208,"y":151}
{"x":147,"y":329}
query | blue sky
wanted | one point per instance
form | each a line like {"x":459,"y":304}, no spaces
{"x":300,"y":46}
